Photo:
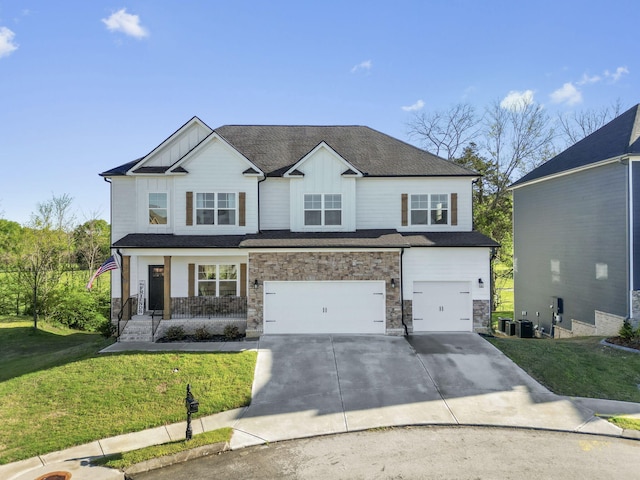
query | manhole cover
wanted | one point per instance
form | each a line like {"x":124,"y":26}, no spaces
{"x":55,"y":476}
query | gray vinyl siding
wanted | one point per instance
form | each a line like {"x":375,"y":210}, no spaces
{"x":563,"y":227}
{"x":636,"y":225}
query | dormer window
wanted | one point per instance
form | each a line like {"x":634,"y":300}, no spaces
{"x":323,"y":209}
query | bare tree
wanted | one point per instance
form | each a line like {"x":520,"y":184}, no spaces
{"x":445,"y":133}
{"x":518,"y":138}
{"x":574,"y":127}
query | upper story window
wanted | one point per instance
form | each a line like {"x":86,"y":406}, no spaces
{"x":322,"y":209}
{"x":218,"y":280}
{"x":215,"y":208}
{"x":158,"y":211}
{"x":429,"y":209}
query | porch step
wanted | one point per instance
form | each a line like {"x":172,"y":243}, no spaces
{"x":138,"y":329}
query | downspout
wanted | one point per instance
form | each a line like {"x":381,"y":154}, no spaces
{"x":259,"y":182}
{"x":406,"y":329}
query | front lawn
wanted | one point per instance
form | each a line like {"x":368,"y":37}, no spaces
{"x":579,"y":367}
{"x":65,"y":394}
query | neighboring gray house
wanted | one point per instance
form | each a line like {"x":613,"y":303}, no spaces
{"x":576,"y":234}
{"x":296,"y":229}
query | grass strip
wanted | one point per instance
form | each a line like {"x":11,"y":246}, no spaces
{"x":126,"y":459}
{"x":576,"y":366}
{"x":628,"y":423}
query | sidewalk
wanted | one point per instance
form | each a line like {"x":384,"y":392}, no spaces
{"x":262,"y":422}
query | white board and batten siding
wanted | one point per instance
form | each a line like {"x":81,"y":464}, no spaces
{"x":322,"y":175}
{"x":379,"y":201}
{"x":274,"y":204}
{"x":442,"y":284}
{"x":319,"y":307}
{"x":175,"y":148}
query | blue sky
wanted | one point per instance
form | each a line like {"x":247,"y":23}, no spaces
{"x":89,"y":85}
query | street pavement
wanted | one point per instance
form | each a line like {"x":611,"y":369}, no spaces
{"x":305,"y":386}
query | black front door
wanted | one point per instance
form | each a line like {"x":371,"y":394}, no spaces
{"x":156,"y":287}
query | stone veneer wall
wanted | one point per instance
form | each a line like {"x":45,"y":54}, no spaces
{"x":481,"y":315}
{"x":116,"y":305}
{"x":408,"y":314}
{"x":606,"y":324}
{"x":316,"y":266}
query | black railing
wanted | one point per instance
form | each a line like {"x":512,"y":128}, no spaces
{"x":155,"y":322}
{"x":126,"y":308}
{"x":209,"y":307}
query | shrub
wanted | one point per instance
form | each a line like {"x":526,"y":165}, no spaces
{"x":175,"y":333}
{"x":626,"y":331}
{"x":231,"y":332}
{"x":77,"y":309}
{"x":202,"y":334}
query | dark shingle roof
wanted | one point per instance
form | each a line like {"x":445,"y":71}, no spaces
{"x":275,"y":149}
{"x":287,"y":239}
{"x":618,"y":137}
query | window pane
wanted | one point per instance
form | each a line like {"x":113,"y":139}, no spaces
{"x":157,"y":200}
{"x":226,"y":217}
{"x":228,"y":288}
{"x":205,"y":200}
{"x":206,"y":272}
{"x":439,"y":201}
{"x":333,"y":201}
{"x":207,"y":289}
{"x":226,"y":200}
{"x":228,"y":272}
{"x":420,"y":201}
{"x":439,"y":205}
{"x":418,"y":217}
{"x":312,"y":202}
{"x":312,"y":217}
{"x":439,"y":217}
{"x":158,"y":216}
{"x":204,"y":217}
{"x":333,"y":217}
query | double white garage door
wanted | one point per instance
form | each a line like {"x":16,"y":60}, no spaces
{"x":324,"y":307}
{"x":360,"y":307}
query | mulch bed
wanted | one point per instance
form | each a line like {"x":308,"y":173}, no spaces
{"x":193,"y":339}
{"x":624,"y":342}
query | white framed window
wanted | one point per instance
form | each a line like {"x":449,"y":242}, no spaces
{"x":158,"y":208}
{"x":430,"y":209}
{"x":218,"y":280}
{"x":323,"y":209}
{"x":215,"y":209}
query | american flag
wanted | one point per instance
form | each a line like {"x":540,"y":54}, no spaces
{"x":109,"y":264}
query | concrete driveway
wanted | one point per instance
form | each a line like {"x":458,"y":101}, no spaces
{"x":321,"y":384}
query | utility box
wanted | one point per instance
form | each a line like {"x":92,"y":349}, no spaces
{"x":524,"y":328}
{"x":510,"y":328}
{"x":502,"y":322}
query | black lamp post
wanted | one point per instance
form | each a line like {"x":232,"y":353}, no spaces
{"x":192,"y":407}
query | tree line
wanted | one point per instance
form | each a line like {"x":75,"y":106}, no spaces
{"x":46,"y":264}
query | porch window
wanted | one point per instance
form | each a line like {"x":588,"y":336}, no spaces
{"x":322,"y":209}
{"x":429,"y":209}
{"x":215,"y":208}
{"x":158,"y":212}
{"x":218,"y":280}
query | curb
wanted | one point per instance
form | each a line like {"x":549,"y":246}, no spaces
{"x":179,"y":457}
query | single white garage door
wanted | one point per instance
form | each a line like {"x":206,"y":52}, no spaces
{"x":324,"y":307}
{"x":442,"y":307}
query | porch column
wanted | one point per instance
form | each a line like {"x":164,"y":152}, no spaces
{"x":126,"y":286}
{"x":166,"y":312}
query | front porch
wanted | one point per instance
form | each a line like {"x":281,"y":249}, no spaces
{"x":191,"y":313}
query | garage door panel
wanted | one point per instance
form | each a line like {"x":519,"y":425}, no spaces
{"x":442,"y":307}
{"x":324,"y":307}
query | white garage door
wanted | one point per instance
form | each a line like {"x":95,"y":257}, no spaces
{"x":442,"y":307}
{"x":324,"y":307}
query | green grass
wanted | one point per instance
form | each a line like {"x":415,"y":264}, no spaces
{"x":126,"y":459}
{"x":627,"y":423}
{"x":577,"y":366}
{"x":58,"y":392}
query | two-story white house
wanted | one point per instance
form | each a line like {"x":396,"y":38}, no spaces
{"x":297,"y":229}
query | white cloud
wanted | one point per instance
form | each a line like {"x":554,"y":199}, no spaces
{"x":124,"y":22}
{"x":516,"y":99}
{"x":7,"y":45}
{"x":366,"y":65}
{"x":615,"y":76}
{"x":416,"y":106}
{"x":586,"y":79}
{"x":568,"y":94}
